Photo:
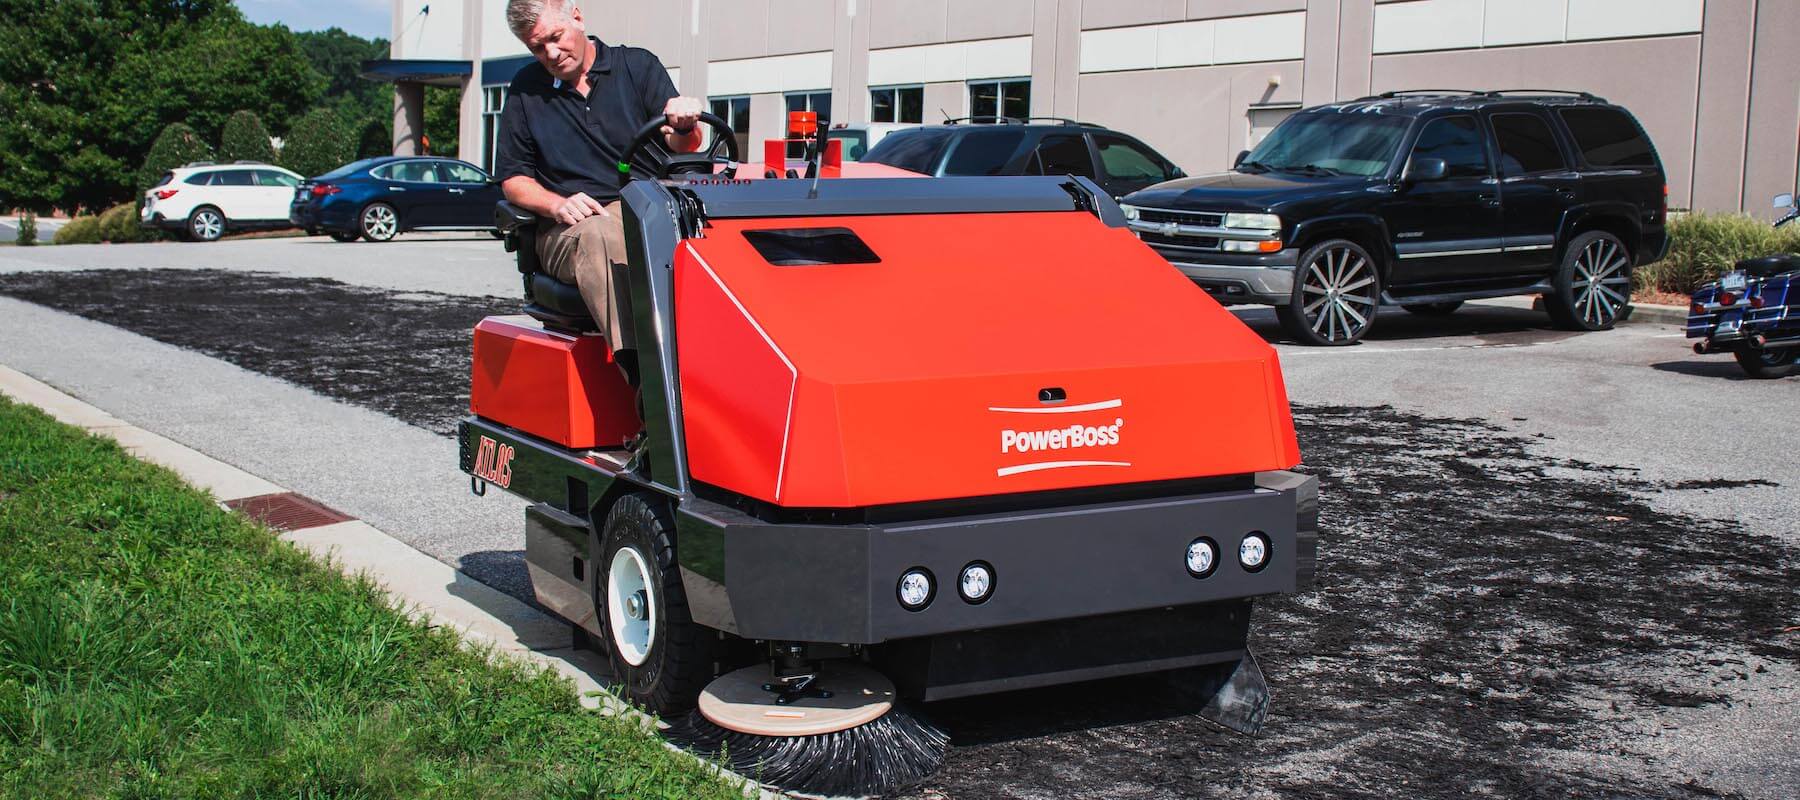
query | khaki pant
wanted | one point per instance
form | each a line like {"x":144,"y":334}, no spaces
{"x":583,"y":254}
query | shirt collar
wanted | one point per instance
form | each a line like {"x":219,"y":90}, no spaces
{"x":602,"y":61}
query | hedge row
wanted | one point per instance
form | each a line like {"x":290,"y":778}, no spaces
{"x":1702,"y":245}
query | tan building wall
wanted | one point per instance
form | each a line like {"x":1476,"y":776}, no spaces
{"x":1712,"y":80}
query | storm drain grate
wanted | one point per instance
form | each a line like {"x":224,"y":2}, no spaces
{"x":287,"y":511}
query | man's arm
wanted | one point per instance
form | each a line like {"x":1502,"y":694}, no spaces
{"x":525,"y":192}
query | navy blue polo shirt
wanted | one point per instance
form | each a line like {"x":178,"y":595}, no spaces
{"x":571,"y":143}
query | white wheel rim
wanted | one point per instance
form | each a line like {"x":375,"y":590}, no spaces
{"x":1338,"y":294}
{"x":379,"y":222}
{"x":207,"y":225}
{"x":1602,"y":282}
{"x":628,"y":578}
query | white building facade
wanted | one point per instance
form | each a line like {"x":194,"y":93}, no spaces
{"x":1714,"y":81}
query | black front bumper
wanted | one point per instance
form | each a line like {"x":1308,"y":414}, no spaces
{"x":839,"y":583}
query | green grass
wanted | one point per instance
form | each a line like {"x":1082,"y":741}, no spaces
{"x":152,"y":645}
{"x":1702,"y":245}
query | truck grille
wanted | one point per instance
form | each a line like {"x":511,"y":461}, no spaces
{"x":1158,"y":240}
{"x":1205,"y":219}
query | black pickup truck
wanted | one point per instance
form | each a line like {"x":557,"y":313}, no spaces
{"x":1422,"y":200}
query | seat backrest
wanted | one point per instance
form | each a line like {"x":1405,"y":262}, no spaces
{"x":518,"y":231}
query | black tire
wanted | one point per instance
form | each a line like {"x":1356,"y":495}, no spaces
{"x":1592,"y":289}
{"x":378,"y":222}
{"x":1337,"y":290}
{"x":677,"y":659}
{"x":205,"y":224}
{"x":1443,"y":309}
{"x":1774,"y":362}
{"x":346,"y":238}
{"x":495,"y":232}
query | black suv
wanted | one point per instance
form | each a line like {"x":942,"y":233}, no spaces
{"x":1119,"y":163}
{"x":1422,"y":200}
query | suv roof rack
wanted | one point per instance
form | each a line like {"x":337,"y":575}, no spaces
{"x":1420,"y":92}
{"x":991,"y":119}
{"x":200,"y":164}
{"x":1023,"y":121}
{"x":1528,"y":92}
{"x":250,"y":161}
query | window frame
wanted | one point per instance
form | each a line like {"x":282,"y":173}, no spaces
{"x":999,"y":85}
{"x":1487,"y":148}
{"x":896,"y":89}
{"x":1087,"y":146}
{"x":1169,"y":171}
{"x":1580,"y":150}
{"x":1499,"y":153}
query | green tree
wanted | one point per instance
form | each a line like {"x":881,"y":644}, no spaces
{"x":443,"y":118}
{"x":245,"y":139}
{"x":376,"y":139}
{"x":177,"y":144}
{"x":317,"y":143}
{"x":86,"y":86}
{"x":367,"y":107}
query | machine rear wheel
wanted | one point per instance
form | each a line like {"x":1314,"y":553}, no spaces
{"x":1778,"y":362}
{"x":661,"y":657}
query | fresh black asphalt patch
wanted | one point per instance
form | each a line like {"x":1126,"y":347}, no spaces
{"x":1486,"y":620}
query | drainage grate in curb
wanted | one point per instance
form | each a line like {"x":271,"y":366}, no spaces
{"x":287,"y":511}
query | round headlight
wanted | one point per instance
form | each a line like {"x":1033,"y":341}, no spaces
{"x":1253,"y":552}
{"x":976,"y":582}
{"x":1202,"y":557}
{"x":915,"y":589}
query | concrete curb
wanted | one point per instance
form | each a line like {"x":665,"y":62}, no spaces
{"x":1641,"y":313}
{"x":424,"y":586}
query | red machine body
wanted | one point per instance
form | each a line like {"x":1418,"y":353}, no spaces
{"x":1076,"y":358}
{"x":552,"y":385}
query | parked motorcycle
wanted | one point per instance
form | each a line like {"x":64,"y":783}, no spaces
{"x":1753,"y":311}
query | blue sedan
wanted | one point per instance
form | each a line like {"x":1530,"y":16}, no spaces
{"x":379,"y":198}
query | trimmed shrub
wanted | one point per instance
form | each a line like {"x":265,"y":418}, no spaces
{"x":245,"y":139}
{"x":377,"y":139}
{"x":119,"y":225}
{"x":27,"y":230}
{"x":316,"y":144}
{"x":80,"y":230}
{"x":178,"y":144}
{"x":1702,"y":245}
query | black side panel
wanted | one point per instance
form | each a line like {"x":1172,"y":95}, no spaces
{"x":539,"y":472}
{"x":1065,"y":651}
{"x":651,"y":233}
{"x":1306,"y":520}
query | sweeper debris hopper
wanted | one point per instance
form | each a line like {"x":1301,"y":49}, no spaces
{"x":901,"y":440}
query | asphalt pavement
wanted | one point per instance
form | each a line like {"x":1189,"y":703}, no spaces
{"x":1687,"y":434}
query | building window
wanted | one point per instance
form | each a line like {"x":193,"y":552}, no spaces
{"x":1009,"y":98}
{"x":493,"y":100}
{"x":736,"y":113}
{"x":897,"y":104}
{"x":817,"y":102}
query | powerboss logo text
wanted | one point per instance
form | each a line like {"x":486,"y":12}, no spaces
{"x":1074,"y":436}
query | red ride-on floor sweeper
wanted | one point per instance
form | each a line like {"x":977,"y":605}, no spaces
{"x":891,"y":441}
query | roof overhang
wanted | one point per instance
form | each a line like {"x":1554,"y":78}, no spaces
{"x":435,"y":72}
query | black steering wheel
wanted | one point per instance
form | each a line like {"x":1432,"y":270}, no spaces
{"x":667,"y":164}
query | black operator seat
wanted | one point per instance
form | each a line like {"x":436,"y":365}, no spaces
{"x":548,"y":300}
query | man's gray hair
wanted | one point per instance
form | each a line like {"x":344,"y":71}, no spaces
{"x":523,"y":15}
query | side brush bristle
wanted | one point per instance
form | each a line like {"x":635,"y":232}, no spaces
{"x":896,"y":750}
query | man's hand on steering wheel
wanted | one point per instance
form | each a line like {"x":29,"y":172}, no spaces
{"x":658,"y":131}
{"x":683,"y":115}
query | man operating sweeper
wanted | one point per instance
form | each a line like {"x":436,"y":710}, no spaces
{"x":568,"y":120}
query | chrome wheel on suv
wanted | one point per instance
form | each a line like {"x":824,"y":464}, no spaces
{"x":1336,"y":293}
{"x":1593,"y":283}
{"x":206,"y":224}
